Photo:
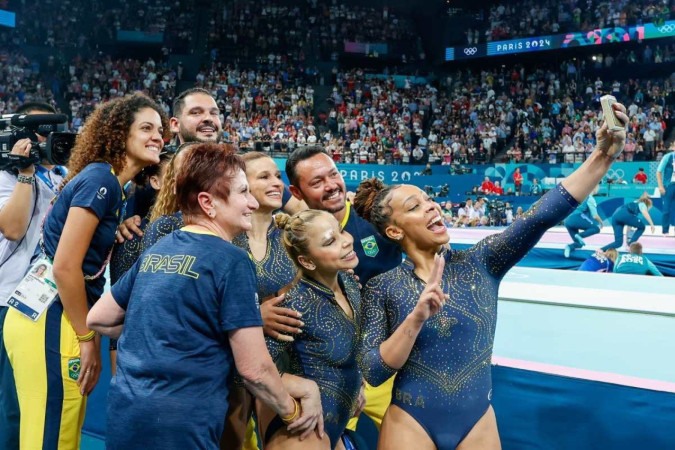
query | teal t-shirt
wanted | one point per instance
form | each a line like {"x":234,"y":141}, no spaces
{"x":636,"y":265}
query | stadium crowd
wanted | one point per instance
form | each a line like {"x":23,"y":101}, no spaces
{"x":513,"y":113}
{"x":535,"y":18}
{"x":85,"y":26}
{"x":277,"y":34}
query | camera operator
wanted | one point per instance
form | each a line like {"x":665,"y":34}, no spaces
{"x":24,"y":200}
{"x":507,"y":218}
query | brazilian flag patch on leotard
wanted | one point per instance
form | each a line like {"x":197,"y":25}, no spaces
{"x":370,"y":247}
{"x":74,"y":368}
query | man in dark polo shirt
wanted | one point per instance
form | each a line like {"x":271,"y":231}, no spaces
{"x":315,"y":179}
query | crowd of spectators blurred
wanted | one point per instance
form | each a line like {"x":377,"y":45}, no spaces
{"x":84,"y":25}
{"x":270,"y":111}
{"x":91,"y":81}
{"x":479,"y":212}
{"x":539,"y":115}
{"x":374,"y":121}
{"x":508,"y":20}
{"x":546,"y":113}
{"x":278,"y":33}
{"x":20,"y":82}
{"x":561,"y":114}
{"x":647,"y":54}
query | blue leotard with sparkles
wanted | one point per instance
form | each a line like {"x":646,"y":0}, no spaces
{"x":275,"y":270}
{"x":446,"y":384}
{"x":124,"y":255}
{"x":326,"y":349}
{"x":161,"y":227}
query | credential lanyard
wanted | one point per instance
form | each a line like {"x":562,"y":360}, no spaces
{"x":43,"y":174}
{"x":121,"y":215}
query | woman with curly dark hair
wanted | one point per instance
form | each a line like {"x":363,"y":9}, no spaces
{"x":56,"y":359}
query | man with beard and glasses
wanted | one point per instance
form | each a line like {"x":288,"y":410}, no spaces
{"x":315,"y":179}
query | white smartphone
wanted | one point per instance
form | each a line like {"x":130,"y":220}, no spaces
{"x":608,"y":113}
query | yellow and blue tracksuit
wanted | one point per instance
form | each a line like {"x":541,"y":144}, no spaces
{"x":45,"y":355}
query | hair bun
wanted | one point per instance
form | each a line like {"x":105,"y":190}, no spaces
{"x":281,"y":220}
{"x":364,"y":200}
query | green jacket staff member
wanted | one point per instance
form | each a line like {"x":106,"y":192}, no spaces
{"x":635,"y":263}
{"x":190,"y":314}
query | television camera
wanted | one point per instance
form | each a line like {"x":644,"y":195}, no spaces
{"x":56,"y":150}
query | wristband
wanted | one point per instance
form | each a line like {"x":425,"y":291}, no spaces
{"x":25,"y":179}
{"x":87,"y":337}
{"x":295,"y":414}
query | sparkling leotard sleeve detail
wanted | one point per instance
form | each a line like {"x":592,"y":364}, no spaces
{"x":502,"y":251}
{"x":375,"y":330}
{"x":159,"y":228}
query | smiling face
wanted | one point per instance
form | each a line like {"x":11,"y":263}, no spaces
{"x":234,"y":214}
{"x":320,"y":184}
{"x":144,"y":141}
{"x":264,"y":179}
{"x":199,"y":120}
{"x":416,"y":218}
{"x":329,"y":248}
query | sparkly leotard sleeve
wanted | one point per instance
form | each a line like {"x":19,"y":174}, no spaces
{"x":159,"y":228}
{"x":124,"y":255}
{"x":326,"y":349}
{"x":446,"y":383}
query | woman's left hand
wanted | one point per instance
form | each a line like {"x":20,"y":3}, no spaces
{"x":90,"y":365}
{"x":311,"y":418}
{"x":611,"y":143}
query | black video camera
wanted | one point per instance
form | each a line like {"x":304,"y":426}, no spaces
{"x":496,"y":205}
{"x":27,"y":126}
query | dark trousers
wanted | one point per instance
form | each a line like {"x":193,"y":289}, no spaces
{"x":580,"y":222}
{"x":620,"y":219}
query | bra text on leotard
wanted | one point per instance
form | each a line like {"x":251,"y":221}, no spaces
{"x":407,"y":398}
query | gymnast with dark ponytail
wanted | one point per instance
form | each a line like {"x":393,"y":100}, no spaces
{"x":440,"y":348}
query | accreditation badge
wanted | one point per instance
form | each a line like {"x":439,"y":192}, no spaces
{"x":36,"y":292}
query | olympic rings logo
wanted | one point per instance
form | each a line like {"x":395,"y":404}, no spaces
{"x":669,"y":28}
{"x":615,"y":174}
{"x":470,"y":51}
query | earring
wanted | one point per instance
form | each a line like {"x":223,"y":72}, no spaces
{"x":212,"y":214}
{"x":398,"y":238}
